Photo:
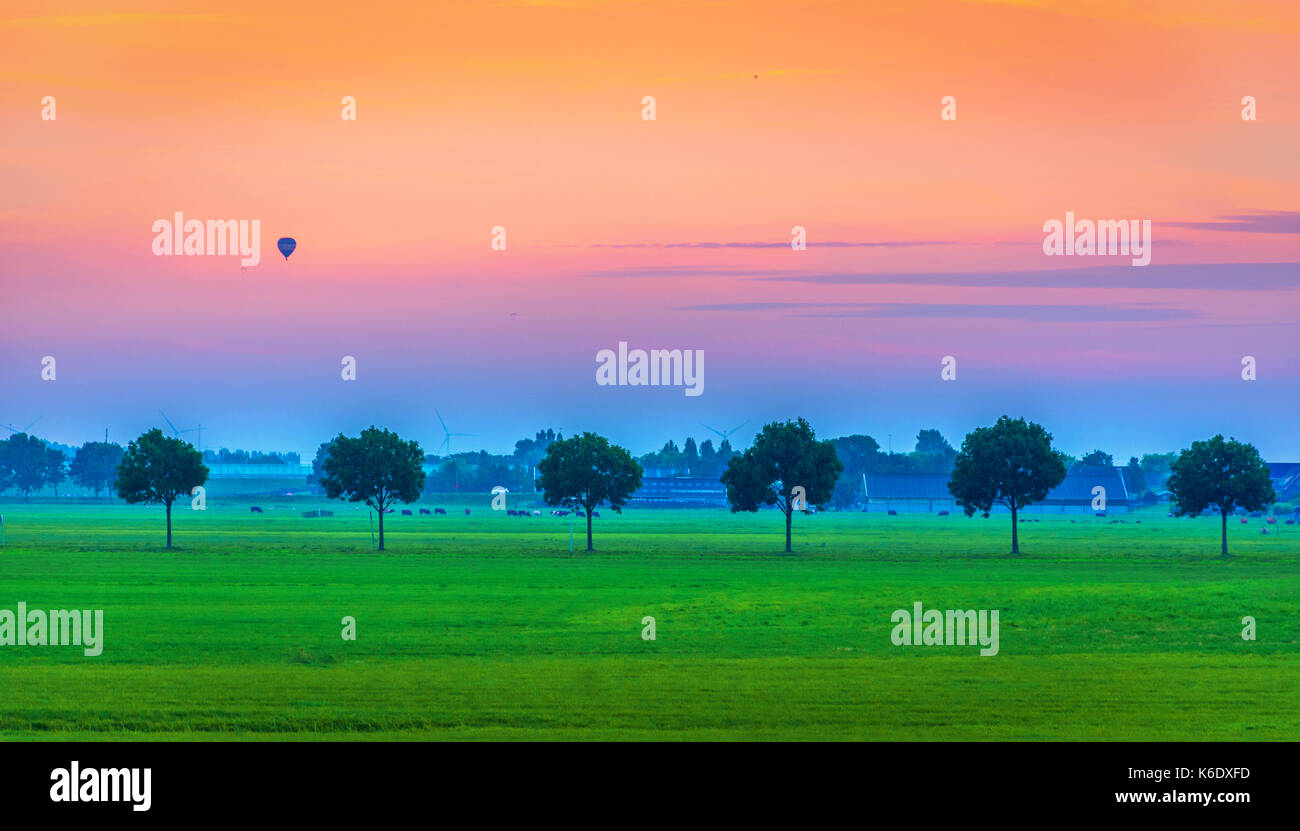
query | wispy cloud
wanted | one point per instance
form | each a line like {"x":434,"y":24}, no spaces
{"x":109,"y":19}
{"x":785,"y":244}
{"x":1256,"y":222}
{"x":1034,"y":313}
{"x":1205,"y":277}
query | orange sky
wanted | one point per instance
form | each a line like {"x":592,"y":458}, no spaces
{"x":527,"y":115}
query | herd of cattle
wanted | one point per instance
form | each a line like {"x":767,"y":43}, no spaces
{"x":254,"y":509}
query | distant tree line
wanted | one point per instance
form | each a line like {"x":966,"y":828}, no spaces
{"x":1011,"y":463}
{"x":250,"y":457}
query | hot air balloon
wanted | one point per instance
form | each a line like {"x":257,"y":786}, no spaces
{"x":286,"y":245}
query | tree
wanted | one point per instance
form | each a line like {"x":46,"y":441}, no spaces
{"x":1223,"y":474}
{"x":1155,"y":466}
{"x":318,"y":464}
{"x":157,"y":469}
{"x":860,"y":455}
{"x":25,"y":458}
{"x":55,"y":468}
{"x":587,"y":471}
{"x":377,"y":468}
{"x":691,"y":456}
{"x":708,"y":460}
{"x":784,"y":456}
{"x":1097,"y":458}
{"x":95,"y":465}
{"x":1011,"y":463}
{"x":1136,"y":478}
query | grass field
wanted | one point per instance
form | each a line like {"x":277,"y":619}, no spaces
{"x":485,"y":627}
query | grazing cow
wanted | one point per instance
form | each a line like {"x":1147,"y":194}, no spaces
{"x":425,"y":512}
{"x":467,"y":512}
{"x":1244,"y":520}
{"x":537,"y":513}
{"x":1290,"y":522}
{"x":405,"y":512}
{"x":596,"y":514}
{"x":511,"y":512}
{"x":1271,"y":520}
{"x":440,"y":511}
{"x":895,"y":513}
{"x":943,"y":513}
{"x":253,"y":509}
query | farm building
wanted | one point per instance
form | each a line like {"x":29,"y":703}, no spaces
{"x":667,"y":491}
{"x":1285,"y":477}
{"x":928,"y":493}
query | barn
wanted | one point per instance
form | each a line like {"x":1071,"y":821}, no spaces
{"x":1285,"y":477}
{"x":928,"y":493}
{"x":680,"y":491}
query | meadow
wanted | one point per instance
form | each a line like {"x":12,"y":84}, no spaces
{"x":486,"y":627}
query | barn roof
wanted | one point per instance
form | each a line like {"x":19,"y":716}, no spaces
{"x":1078,"y":485}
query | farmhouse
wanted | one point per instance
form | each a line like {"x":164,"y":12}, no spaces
{"x":928,"y":493}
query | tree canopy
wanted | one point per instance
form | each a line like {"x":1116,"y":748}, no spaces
{"x":1220,"y":474}
{"x":784,"y":456}
{"x":587,"y":471}
{"x":377,"y":468}
{"x":95,"y":465}
{"x":1011,"y":464}
{"x":158,"y":469}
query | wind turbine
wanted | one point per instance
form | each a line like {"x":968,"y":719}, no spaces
{"x":14,"y":429}
{"x":447,"y":434}
{"x":177,"y":432}
{"x":727,"y":435}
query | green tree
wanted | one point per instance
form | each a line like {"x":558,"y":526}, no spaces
{"x":95,"y":465}
{"x":318,"y":464}
{"x":860,"y":455}
{"x":1011,"y":463}
{"x":24,"y":456}
{"x":784,"y":456}
{"x":56,"y":468}
{"x":1155,"y":466}
{"x":1136,"y":478}
{"x":157,"y":469}
{"x":1097,"y":458}
{"x":377,"y":468}
{"x":708,"y":460}
{"x":691,"y":456}
{"x":1220,"y":474}
{"x":587,"y":471}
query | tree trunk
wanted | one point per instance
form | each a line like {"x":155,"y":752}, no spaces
{"x":1015,"y":536}
{"x":381,"y":528}
{"x":169,"y":525}
{"x":1224,"y":514}
{"x":789,"y":512}
{"x":589,"y":545}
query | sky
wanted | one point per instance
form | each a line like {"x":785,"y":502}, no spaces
{"x":925,"y":235}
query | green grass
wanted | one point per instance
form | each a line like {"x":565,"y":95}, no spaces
{"x":484,"y":627}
